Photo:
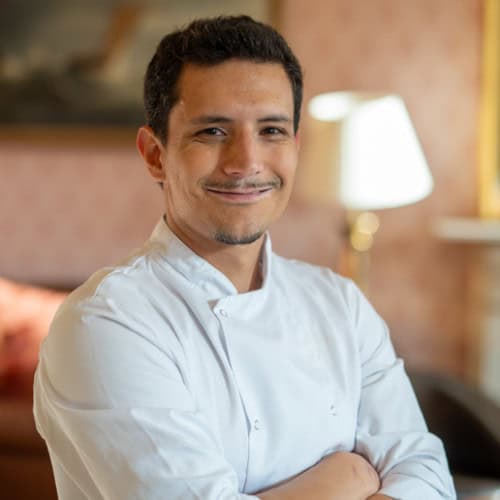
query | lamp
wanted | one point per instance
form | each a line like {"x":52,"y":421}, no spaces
{"x":364,"y":152}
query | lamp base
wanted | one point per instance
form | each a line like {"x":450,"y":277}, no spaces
{"x":362,"y":229}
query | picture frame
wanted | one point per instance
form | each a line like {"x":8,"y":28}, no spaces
{"x":74,"y":68}
{"x":489,"y":115}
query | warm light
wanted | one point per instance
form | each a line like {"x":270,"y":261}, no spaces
{"x":363,"y":229}
{"x":332,"y":106}
{"x":379,"y":160}
{"x":363,"y":152}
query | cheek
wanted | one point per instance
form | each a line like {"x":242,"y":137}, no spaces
{"x":179,"y":171}
{"x":287,"y":166}
{"x":196,"y":164}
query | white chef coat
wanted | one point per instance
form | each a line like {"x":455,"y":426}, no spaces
{"x":158,"y":380}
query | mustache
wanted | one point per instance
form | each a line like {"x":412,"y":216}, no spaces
{"x":276,"y":183}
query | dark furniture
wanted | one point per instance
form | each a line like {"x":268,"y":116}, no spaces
{"x":469,"y":425}
{"x":25,"y":471}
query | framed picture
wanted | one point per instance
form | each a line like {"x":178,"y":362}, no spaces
{"x":80,"y":63}
{"x":489,"y":127}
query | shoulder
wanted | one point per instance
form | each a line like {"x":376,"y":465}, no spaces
{"x":122,"y":281}
{"x":323,"y":291}
{"x":128,"y":287}
{"x":120,"y":301}
{"x":310,"y":277}
{"x":110,"y":333}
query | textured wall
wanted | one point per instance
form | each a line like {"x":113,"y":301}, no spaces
{"x":66,"y":211}
{"x":428,"y":51}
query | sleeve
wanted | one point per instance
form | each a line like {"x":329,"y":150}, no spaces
{"x":117,"y":416}
{"x":391,"y":431}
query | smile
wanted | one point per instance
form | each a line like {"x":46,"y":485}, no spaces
{"x":241,"y":195}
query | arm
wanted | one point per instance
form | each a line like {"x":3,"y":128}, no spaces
{"x":340,"y":476}
{"x":118,"y":418}
{"x":391,"y":432}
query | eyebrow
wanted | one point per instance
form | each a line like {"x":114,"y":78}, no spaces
{"x":276,"y":118}
{"x":208,"y":119}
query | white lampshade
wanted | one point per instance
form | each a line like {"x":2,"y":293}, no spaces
{"x":377,"y":155}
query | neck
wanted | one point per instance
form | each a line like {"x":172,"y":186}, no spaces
{"x":240,"y":263}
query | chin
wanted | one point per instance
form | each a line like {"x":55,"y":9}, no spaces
{"x":229,"y":238}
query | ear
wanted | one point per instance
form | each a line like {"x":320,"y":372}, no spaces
{"x":151,"y":149}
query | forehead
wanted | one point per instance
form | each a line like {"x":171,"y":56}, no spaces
{"x":233,"y":83}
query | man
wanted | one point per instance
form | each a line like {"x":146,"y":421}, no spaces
{"x":205,"y":366}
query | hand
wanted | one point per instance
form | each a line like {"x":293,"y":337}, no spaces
{"x":339,"y":476}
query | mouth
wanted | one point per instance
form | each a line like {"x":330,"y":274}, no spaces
{"x":247,"y":195}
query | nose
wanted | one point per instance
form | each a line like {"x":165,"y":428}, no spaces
{"x":242,"y":156}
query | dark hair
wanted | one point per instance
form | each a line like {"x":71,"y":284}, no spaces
{"x":208,"y":42}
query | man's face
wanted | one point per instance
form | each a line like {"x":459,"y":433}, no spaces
{"x":231,"y":152}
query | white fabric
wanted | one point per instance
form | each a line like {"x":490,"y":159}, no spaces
{"x":159,"y":381}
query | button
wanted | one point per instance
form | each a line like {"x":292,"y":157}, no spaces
{"x":223,"y":312}
{"x":256,"y":424}
{"x":332,"y":410}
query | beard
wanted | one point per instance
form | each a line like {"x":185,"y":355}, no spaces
{"x":230,"y":239}
{"x":226,"y":237}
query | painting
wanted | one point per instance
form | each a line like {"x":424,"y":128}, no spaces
{"x":81,"y":62}
{"x":489,"y":125}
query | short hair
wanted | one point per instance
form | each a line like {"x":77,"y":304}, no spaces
{"x":208,"y":42}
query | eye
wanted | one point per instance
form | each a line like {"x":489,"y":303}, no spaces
{"x":210,"y":135}
{"x":211,"y":131}
{"x":274,"y":131}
